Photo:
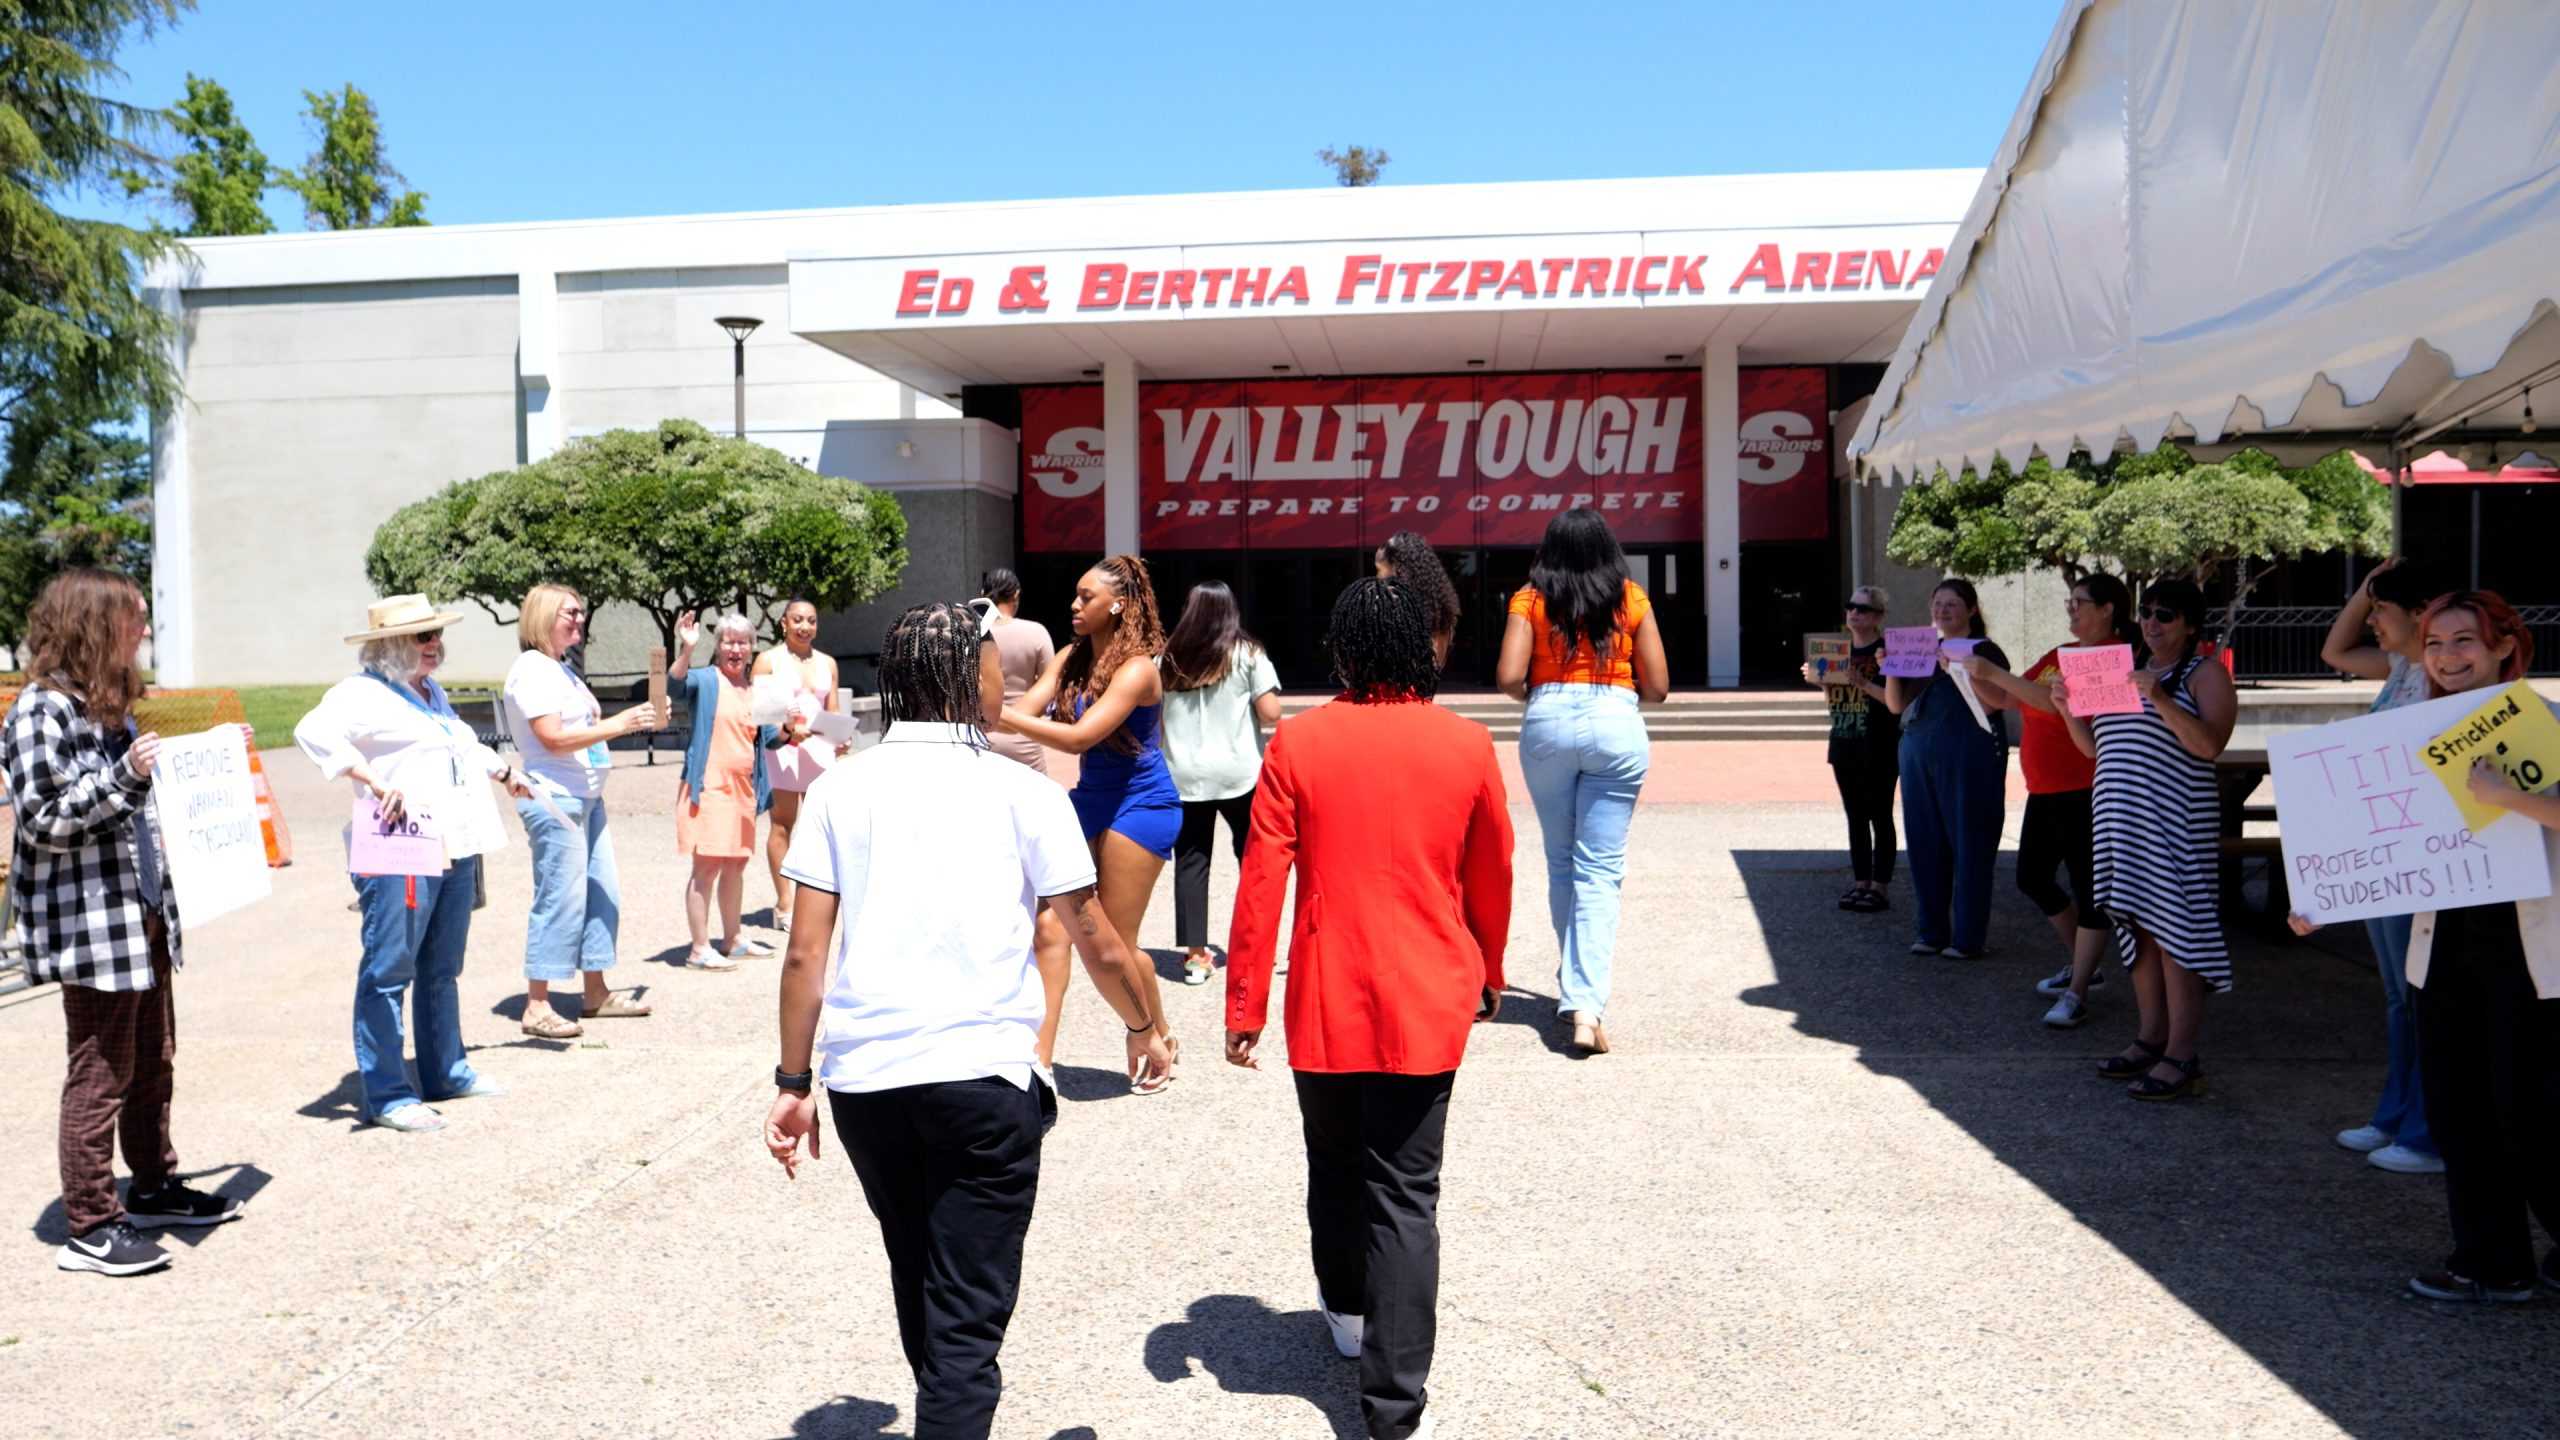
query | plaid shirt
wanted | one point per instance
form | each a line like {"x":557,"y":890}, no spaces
{"x":75,"y":878}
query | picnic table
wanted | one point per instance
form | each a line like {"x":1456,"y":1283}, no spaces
{"x":2237,"y":773}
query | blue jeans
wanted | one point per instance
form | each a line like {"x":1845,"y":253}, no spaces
{"x":2401,"y":1113}
{"x":1954,"y":793}
{"x":417,"y":952}
{"x":1584,"y":751}
{"x":577,"y":899}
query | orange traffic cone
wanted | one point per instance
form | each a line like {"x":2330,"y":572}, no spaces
{"x":270,"y":819}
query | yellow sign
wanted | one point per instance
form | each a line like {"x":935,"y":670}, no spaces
{"x":2516,"y":732}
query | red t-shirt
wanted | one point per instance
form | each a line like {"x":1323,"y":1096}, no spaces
{"x":2051,"y":763}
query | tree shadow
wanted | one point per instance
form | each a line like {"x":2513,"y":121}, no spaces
{"x":2308,"y":1248}
{"x":53,"y":1227}
{"x":1251,"y":1349}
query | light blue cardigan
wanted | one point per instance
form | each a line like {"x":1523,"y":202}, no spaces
{"x":702,"y":690}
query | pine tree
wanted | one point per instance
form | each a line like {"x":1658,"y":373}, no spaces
{"x":220,"y":180}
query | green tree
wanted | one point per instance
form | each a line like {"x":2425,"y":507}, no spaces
{"x":219,"y":181}
{"x":669,"y":519}
{"x":76,"y":494}
{"x":76,"y":332}
{"x":1357,"y":165}
{"x":348,"y":183}
{"x":2145,"y":516}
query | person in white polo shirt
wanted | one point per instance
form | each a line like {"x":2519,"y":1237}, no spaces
{"x":936,"y":852}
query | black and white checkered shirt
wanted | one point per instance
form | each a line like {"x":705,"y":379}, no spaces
{"x":75,"y":874}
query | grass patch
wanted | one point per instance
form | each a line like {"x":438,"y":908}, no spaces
{"x":274,"y":710}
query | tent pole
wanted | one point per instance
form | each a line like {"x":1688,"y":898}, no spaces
{"x":1857,"y":530}
{"x":2399,"y":483}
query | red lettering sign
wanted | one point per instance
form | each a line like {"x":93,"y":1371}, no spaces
{"x":1464,"y":459}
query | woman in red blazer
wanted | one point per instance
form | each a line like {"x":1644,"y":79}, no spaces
{"x":1391,"y":812}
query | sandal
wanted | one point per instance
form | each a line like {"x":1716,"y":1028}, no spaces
{"x":1197,"y":972}
{"x":614,"y":1007}
{"x":1155,"y":1084}
{"x":2117,"y":1067}
{"x":547,"y":1025}
{"x":2188,"y":1086}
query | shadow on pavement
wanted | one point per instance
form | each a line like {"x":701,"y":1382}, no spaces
{"x":1089,"y":1082}
{"x":52,"y":1227}
{"x":848,"y":1417}
{"x":1251,"y":1349}
{"x":1537,"y":1012}
{"x":2239,"y":1205}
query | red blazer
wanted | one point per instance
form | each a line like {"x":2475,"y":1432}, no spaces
{"x":1393,"y":816}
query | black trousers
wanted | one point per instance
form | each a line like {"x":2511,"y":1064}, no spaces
{"x":2056,"y":835}
{"x":1373,"y":1213}
{"x":1191,"y":847}
{"x":1866,"y":775}
{"x":950,"y":1170}
{"x":2489,"y":1052}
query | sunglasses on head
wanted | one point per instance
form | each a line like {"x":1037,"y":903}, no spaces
{"x":2162,"y":614}
{"x":1861,"y":608}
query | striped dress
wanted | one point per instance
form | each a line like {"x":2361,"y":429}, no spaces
{"x":2158,"y":817}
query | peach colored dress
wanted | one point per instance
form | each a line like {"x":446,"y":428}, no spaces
{"x":720,"y":824}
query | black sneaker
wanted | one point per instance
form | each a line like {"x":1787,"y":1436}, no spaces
{"x":175,"y":1204}
{"x":2463,"y":1290}
{"x":115,"y":1248}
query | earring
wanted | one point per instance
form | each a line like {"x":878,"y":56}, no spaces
{"x":1115,"y":607}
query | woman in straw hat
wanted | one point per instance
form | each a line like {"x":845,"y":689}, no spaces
{"x":389,"y":729}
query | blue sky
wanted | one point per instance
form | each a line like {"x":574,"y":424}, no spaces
{"x":546,"y":109}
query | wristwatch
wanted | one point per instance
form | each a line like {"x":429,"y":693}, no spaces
{"x":792,"y":1079}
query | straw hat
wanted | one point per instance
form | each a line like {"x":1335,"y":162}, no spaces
{"x":401,"y":615}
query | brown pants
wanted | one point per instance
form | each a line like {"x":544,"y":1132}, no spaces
{"x":120,"y":1045}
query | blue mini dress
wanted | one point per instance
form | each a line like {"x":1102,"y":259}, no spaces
{"x":1133,"y":794}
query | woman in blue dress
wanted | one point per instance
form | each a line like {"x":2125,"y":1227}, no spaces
{"x":1102,"y":700}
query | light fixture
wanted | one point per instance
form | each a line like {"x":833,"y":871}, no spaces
{"x":1279,"y":369}
{"x":2528,"y":427}
{"x":906,"y":449}
{"x":1671,"y":357}
{"x":739,"y":328}
{"x":1476,"y":363}
{"x":1093,"y":373}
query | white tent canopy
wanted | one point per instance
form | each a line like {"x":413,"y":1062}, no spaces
{"x":2292,"y":224}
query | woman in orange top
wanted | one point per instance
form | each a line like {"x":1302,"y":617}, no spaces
{"x":1582,"y":648}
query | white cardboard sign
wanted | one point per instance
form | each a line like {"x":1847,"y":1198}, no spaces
{"x":2369,"y":831}
{"x":207,"y":813}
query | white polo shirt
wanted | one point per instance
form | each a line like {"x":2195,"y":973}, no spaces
{"x":939,"y":851}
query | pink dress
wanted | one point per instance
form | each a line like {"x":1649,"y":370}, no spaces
{"x":720,"y":823}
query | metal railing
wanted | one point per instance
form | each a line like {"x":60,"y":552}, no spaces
{"x":2282,"y":642}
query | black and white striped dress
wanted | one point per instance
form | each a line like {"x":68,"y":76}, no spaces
{"x":2157,"y":817}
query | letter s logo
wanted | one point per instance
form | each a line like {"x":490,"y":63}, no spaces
{"x":1767,"y":456}
{"x":1078,"y":452}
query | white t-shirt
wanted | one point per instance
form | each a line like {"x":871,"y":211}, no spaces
{"x":435,"y":761}
{"x":1210,"y":741}
{"x":538,"y":685}
{"x":939,"y":851}
{"x":2405,"y":685}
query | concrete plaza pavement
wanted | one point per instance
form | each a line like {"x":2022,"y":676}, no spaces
{"x":1822,"y":1188}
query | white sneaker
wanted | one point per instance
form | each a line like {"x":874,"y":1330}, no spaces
{"x":708,"y":959}
{"x":2401,"y":1160}
{"x":1347,"y":1330}
{"x":2067,"y":1012}
{"x":410,"y":1120}
{"x":480,"y":1088}
{"x":2060,"y":980}
{"x":2364,"y":1139}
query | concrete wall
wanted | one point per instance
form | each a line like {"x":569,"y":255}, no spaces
{"x":314,"y":412}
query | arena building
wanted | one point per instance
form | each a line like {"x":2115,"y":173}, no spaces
{"x":1254,"y":387}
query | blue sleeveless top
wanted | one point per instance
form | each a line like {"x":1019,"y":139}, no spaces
{"x":1143,"y":776}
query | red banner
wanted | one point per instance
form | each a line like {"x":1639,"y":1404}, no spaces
{"x":1464,"y":459}
{"x":1786,"y":454}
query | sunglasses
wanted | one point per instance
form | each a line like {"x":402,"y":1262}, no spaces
{"x":424,"y":636}
{"x":2162,"y":614}
{"x":1857,"y":609}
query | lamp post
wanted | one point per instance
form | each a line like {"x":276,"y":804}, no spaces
{"x":739,"y":328}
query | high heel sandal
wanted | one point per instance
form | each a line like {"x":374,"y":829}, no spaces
{"x":2188,"y":1086}
{"x":2117,"y":1067}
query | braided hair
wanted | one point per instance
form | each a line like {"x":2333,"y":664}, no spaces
{"x":1140,"y":632}
{"x":929,"y":667}
{"x":1380,"y":643}
{"x":1411,"y":559}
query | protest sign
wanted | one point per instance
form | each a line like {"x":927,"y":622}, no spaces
{"x":658,"y":687}
{"x":413,"y":846}
{"x":2099,"y":679}
{"x":207,"y":813}
{"x":1960,"y":651}
{"x":1911,"y":651}
{"x":2368,"y":832}
{"x":2515,"y":732}
{"x":1827,"y":656}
